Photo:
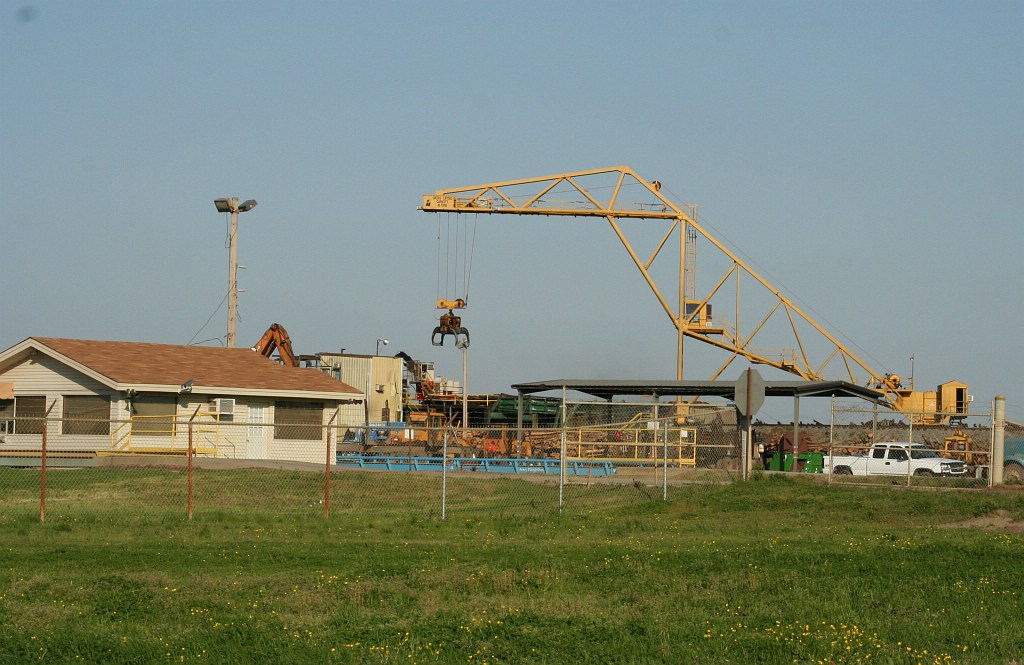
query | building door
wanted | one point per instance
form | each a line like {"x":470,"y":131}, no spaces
{"x":257,"y":433}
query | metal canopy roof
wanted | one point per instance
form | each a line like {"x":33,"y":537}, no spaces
{"x":726,"y":389}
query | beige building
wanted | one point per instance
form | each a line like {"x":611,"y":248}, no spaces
{"x":138,"y":398}
{"x":379,"y":377}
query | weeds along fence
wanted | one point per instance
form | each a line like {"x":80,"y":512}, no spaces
{"x":589,"y":455}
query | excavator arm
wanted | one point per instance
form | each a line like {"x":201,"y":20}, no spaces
{"x":276,"y":339}
{"x":424,"y":386}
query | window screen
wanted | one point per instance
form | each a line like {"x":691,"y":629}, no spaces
{"x":153,"y":415}
{"x":86,"y":414}
{"x":28,"y":414}
{"x":298,"y":420}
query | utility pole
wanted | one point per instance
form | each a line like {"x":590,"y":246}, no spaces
{"x":231,"y":205}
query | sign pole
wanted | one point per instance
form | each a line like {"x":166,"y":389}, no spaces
{"x":748,"y":396}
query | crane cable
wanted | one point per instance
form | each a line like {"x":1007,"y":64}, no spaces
{"x":437,"y":287}
{"x":468,"y":257}
{"x":455,"y":257}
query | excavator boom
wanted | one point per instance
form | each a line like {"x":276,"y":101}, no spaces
{"x":276,"y":339}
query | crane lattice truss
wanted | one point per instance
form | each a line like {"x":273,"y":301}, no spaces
{"x":688,"y":314}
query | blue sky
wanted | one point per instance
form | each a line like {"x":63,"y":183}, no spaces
{"x":869,"y":156}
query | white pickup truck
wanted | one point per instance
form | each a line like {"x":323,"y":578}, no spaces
{"x":895,"y":458}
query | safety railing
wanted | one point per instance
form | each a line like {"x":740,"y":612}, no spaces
{"x":165,"y":435}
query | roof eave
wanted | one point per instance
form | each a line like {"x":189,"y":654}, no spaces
{"x":240,"y":392}
{"x":33,"y":344}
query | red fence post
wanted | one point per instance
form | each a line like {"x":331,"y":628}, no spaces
{"x":42,"y":474}
{"x":191,"y":451}
{"x":327,"y":471}
{"x":190,"y":470}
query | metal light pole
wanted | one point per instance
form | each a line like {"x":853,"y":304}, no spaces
{"x":381,"y":340}
{"x":464,"y":345}
{"x":231,"y":205}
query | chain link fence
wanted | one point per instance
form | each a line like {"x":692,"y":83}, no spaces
{"x":603,"y":452}
{"x":863,"y":445}
{"x":593,"y":453}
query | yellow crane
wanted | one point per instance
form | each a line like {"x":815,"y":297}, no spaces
{"x":572,"y":194}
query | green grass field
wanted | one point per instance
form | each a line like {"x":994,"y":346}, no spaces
{"x":777,"y":570}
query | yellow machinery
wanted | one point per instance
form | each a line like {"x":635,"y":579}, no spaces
{"x":572,"y":194}
{"x":959,"y":445}
{"x":450,"y":323}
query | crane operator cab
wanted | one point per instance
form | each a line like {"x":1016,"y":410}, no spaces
{"x":450,"y":323}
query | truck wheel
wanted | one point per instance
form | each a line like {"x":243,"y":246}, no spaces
{"x":1013,"y":473}
{"x":843,"y":471}
{"x":924,"y":473}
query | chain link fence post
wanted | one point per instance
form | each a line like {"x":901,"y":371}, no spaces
{"x":444,"y":476}
{"x":42,"y":474}
{"x":664,"y":455}
{"x":190,"y":454}
{"x":561,"y":456}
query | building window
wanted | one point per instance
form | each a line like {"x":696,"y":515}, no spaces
{"x":22,"y":415}
{"x":6,"y":416}
{"x":153,"y":415}
{"x":298,"y":420}
{"x":86,"y":414}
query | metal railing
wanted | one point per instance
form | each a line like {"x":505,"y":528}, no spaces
{"x":165,"y":435}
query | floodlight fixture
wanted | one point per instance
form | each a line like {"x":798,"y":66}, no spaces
{"x":247,"y":205}
{"x":223,"y":205}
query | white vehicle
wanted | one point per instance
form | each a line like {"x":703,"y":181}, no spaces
{"x":895,"y":458}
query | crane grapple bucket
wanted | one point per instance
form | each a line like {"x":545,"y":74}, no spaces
{"x":449,"y":324}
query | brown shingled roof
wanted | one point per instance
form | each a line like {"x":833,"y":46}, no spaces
{"x":173,"y":365}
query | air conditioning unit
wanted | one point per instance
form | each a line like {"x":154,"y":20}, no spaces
{"x":225,"y":406}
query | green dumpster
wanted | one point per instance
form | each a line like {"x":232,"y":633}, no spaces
{"x":809,"y":462}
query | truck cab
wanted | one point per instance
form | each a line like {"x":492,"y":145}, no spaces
{"x":903,"y":458}
{"x":896,"y":458}
{"x":888,"y":460}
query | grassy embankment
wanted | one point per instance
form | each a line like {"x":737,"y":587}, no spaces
{"x":772,"y":571}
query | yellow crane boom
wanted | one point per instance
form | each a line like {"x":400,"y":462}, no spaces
{"x":569,"y":194}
